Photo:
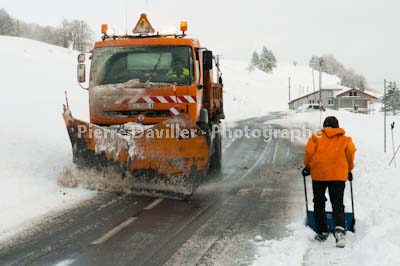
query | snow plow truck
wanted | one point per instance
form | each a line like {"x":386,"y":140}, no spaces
{"x":156,"y":104}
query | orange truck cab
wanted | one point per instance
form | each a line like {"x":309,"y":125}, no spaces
{"x":160,"y":82}
{"x":149,"y":78}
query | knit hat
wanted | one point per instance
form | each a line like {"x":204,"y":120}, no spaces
{"x":331,"y":121}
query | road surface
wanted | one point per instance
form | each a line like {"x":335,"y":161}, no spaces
{"x":258,"y":192}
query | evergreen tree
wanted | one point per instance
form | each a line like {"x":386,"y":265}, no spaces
{"x":392,"y":99}
{"x":267,"y":60}
{"x":255,"y":59}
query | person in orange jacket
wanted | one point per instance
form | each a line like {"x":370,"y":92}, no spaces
{"x":329,"y":158}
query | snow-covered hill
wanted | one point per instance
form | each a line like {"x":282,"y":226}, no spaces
{"x":250,"y":94}
{"x":33,"y":140}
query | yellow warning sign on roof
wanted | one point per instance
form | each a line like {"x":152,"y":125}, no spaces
{"x":143,"y":25}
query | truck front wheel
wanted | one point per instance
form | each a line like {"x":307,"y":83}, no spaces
{"x":216,"y":156}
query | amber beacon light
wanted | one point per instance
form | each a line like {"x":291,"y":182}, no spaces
{"x":104,"y":28}
{"x":184,"y":26}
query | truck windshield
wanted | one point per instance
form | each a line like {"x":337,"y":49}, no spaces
{"x":142,"y":65}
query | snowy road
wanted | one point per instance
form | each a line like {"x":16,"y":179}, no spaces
{"x":258,"y":192}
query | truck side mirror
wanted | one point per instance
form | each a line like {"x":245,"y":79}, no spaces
{"x":81,"y":58}
{"x":207,"y":60}
{"x":81,"y":73}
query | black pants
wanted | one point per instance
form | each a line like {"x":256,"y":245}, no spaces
{"x":336,"y":191}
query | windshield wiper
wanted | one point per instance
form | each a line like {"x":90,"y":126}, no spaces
{"x":153,"y":71}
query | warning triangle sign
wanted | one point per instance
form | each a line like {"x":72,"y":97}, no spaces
{"x":143,"y":25}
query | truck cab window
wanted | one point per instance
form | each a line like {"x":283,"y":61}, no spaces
{"x":156,"y":64}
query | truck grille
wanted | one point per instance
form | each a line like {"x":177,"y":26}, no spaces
{"x":147,"y":113}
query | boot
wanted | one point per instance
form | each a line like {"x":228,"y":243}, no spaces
{"x":340,"y":237}
{"x":321,"y":237}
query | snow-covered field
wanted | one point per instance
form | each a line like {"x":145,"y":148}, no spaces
{"x":376,"y":185}
{"x":33,"y":140}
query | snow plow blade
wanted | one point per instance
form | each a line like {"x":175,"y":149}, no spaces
{"x":166,"y":160}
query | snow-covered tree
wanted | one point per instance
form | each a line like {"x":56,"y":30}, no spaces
{"x":332,"y":66}
{"x":255,"y":59}
{"x":76,"y":33}
{"x":7,"y":23}
{"x":267,"y":60}
{"x":353,"y":80}
{"x":392,"y":99}
{"x":314,"y":62}
{"x":254,"y":62}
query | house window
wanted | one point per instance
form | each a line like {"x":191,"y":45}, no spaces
{"x":330,"y":102}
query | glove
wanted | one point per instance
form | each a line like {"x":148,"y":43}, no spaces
{"x":306,"y":171}
{"x":350,"y":176}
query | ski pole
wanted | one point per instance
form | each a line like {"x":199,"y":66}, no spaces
{"x":351,"y":228}
{"x":352,"y":197}
{"x":305,"y":192}
{"x":394,"y":154}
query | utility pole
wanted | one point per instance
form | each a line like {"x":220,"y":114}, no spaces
{"x":320,"y":91}
{"x":313,"y":81}
{"x":384,"y":115}
{"x":320,"y":83}
{"x":289,"y":89}
{"x":393,"y":145}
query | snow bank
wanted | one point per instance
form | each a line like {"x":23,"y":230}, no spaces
{"x":376,"y":185}
{"x":33,"y":139}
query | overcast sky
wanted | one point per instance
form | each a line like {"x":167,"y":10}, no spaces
{"x":363,"y":34}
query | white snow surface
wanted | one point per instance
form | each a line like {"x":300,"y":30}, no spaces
{"x":377,"y":237}
{"x":33,"y":139}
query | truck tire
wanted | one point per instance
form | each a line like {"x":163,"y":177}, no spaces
{"x":216,"y":157}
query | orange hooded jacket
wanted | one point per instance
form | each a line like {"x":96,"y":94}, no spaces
{"x":329,"y":155}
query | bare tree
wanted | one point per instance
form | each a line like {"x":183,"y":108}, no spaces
{"x":332,"y":66}
{"x":76,"y":33}
{"x":7,"y":23}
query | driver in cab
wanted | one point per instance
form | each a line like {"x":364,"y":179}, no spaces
{"x":178,"y":73}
